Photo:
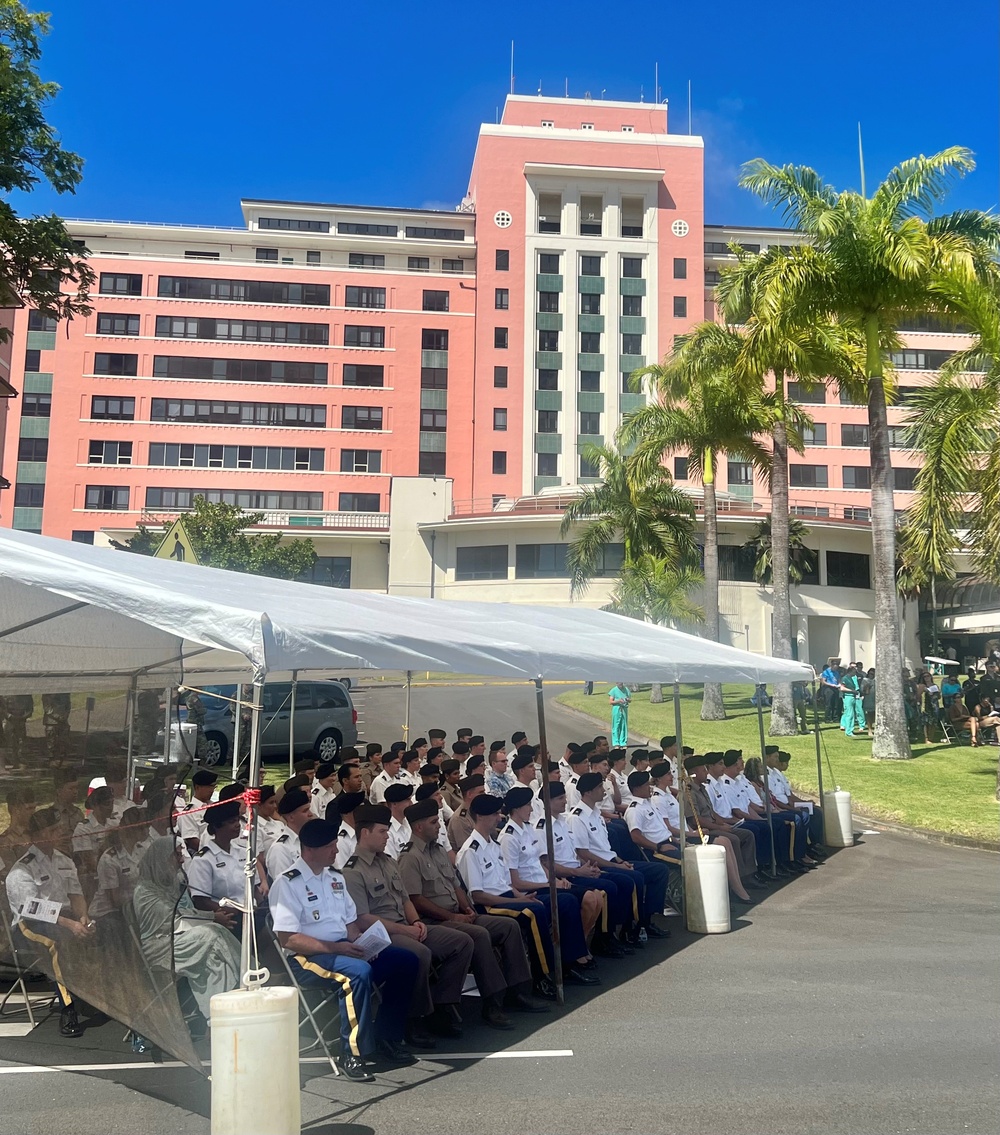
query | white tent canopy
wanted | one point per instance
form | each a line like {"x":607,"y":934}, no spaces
{"x":75,"y":617}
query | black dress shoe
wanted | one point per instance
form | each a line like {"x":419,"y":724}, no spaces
{"x":818,"y":852}
{"x":519,"y":1003}
{"x":605,"y":946}
{"x":69,"y":1023}
{"x":392,"y":1052}
{"x":495,"y":1017}
{"x":441,"y":1023}
{"x":782,"y":871}
{"x":625,"y":946}
{"x":795,"y":868}
{"x":752,"y":885}
{"x":588,"y":965}
{"x":573,"y":975}
{"x":654,"y":931}
{"x":545,"y":989}
{"x":806,"y":864}
{"x":419,"y":1040}
{"x":353,"y":1067}
{"x":761,"y":879}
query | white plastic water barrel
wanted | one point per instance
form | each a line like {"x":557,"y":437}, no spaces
{"x":706,"y":889}
{"x":838,"y":827}
{"x":255,"y":1062}
{"x":183,"y":741}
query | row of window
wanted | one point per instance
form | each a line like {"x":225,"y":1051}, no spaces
{"x":116,"y":498}
{"x":590,"y":342}
{"x":247,"y":291}
{"x":191,"y":410}
{"x":590,"y":215}
{"x":589,"y":303}
{"x":592,"y":264}
{"x":854,"y":477}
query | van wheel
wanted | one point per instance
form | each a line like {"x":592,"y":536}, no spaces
{"x":327,"y":746}
{"x":215,"y":749}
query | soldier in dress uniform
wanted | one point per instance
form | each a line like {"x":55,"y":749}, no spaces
{"x":451,"y":774}
{"x":697,"y":803}
{"x":439,"y":897}
{"x":293,"y":808}
{"x":190,"y":820}
{"x":372,"y":764}
{"x":341,"y":811}
{"x":315,"y":920}
{"x":379,"y":895}
{"x":323,"y":789}
{"x":66,"y":806}
{"x":16,"y":840}
{"x":398,"y":797}
{"x":390,"y":774}
{"x":461,"y":823}
{"x":217,"y":870}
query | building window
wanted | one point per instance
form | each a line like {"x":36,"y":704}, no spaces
{"x":107,"y":498}
{"x":628,"y":129}
{"x":365,"y":297}
{"x":499,"y":462}
{"x":548,"y":379}
{"x":540,"y":561}
{"x":82,"y":536}
{"x":919,"y":360}
{"x":436,"y":301}
{"x":313,"y":257}
{"x":853,"y":513}
{"x":293,"y":224}
{"x":246,"y":291}
{"x":807,"y":476}
{"x":356,"y":375}
{"x":589,"y":468}
{"x":432,"y":339}
{"x":712,"y":277}
{"x":631,"y":344}
{"x":434,"y":378}
{"x":590,"y":380}
{"x":899,"y":437}
{"x":590,"y":265}
{"x":548,"y":123}
{"x":591,"y":215}
{"x":819,"y":512}
{"x":452,"y":265}
{"x":814,"y":395}
{"x":237,"y":413}
{"x":740,"y":473}
{"x":627,"y":387}
{"x":632,"y":305}
{"x":361,"y":461}
{"x":39,"y":322}
{"x":548,"y":340}
{"x":433,"y":421}
{"x":240,"y":330}
{"x":361,"y":260}
{"x":110,"y":453}
{"x":501,"y":299}
{"x":681,"y":468}
{"x":239,"y":370}
{"x":611,"y":560}
{"x":814,"y":434}
{"x":489,"y":562}
{"x":418,"y":263}
{"x":423,"y":232}
{"x":502,"y":263}
{"x":267,"y":254}
{"x":500,"y":337}
{"x":120,"y":284}
{"x":197,"y":254}
{"x":431,"y":465}
{"x":548,"y":301}
{"x":547,"y":465}
{"x":32,"y":360}
{"x":632,"y":267}
{"x":361,"y":418}
{"x":680,"y":268}
{"x":33,"y":449}
{"x":590,"y":423}
{"x":359,"y":502}
{"x":590,"y":304}
{"x":105,"y":363}
{"x":188,"y":455}
{"x":736,"y":563}
{"x":549,"y":212}
{"x":329,"y":571}
{"x":36,"y":405}
{"x":590,"y":342}
{"x":854,"y":436}
{"x":372,"y":338}
{"x":112,"y":409}
{"x":548,"y":263}
{"x":632,"y":212}
{"x":500,"y":378}
{"x":548,"y":421}
{"x":716,"y":248}
{"x":848,"y":569}
{"x":586,"y":126}
{"x":29,"y":495}
{"x":904,"y":480}
{"x":680,"y":307}
{"x":175,"y":500}
{"x":109,"y":323}
{"x":500,"y":418}
{"x":857,"y":477}
{"x":360,"y":228}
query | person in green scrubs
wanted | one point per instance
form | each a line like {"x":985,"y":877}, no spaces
{"x":619,"y":696}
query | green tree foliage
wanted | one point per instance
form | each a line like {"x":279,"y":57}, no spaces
{"x":799,"y":558}
{"x":39,"y":263}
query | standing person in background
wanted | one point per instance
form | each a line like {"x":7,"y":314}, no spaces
{"x":619,"y":697}
{"x":829,"y":682}
{"x":868,"y":697}
{"x":55,"y":718}
{"x":853,"y":714}
{"x":16,"y":710}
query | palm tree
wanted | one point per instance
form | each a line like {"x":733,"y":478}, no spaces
{"x":705,"y":410}
{"x":795,"y":553}
{"x":635,"y":506}
{"x":869,"y":261}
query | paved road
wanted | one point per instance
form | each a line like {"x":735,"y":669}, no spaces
{"x":862,"y":998}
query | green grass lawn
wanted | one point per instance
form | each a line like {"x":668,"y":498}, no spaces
{"x":947,"y":788}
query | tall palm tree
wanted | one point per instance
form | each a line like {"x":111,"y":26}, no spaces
{"x":702,"y":408}
{"x":635,"y":506}
{"x":869,"y":261}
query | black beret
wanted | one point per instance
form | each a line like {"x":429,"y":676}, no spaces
{"x":317,"y":833}
{"x":450,"y":765}
{"x":468,"y":783}
{"x":292,"y":799}
{"x":518,"y":735}
{"x":397,"y":747}
{"x":464,"y":732}
{"x":433,"y":754}
{"x":373,"y":748}
{"x":266,"y":793}
{"x":576,"y":759}
{"x":731,"y":757}
{"x":694,"y":762}
{"x":518,"y":797}
{"x":734,"y":753}
{"x":485,"y":805}
{"x":430,"y":770}
{"x":409,"y":755}
{"x":714,"y":758}
{"x":461,"y":748}
{"x":424,"y":810}
{"x":366,"y":815}
{"x":587,"y":748}
{"x":203,"y":778}
{"x":659,"y":770}
{"x":346,"y":802}
{"x":553,"y":766}
{"x":637,"y":779}
{"x":588,"y":782}
{"x":556,"y":789}
{"x":220,"y":814}
{"x":426,"y":791}
{"x":522,"y":760}
{"x":496,"y":746}
{"x":397,"y":792}
{"x":770,"y":750}
{"x":420,"y":743}
{"x":573,"y":747}
{"x":437,"y":732}
{"x":476,"y":739}
{"x":327,"y":768}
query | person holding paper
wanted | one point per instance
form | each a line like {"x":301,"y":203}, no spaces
{"x":61,"y":915}
{"x":316,"y":922}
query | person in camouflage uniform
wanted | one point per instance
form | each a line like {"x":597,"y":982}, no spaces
{"x":55,"y":717}
{"x":16,"y":709}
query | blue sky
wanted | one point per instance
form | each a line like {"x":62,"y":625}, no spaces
{"x":180,"y":109}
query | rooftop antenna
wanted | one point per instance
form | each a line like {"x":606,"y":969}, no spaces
{"x":861,"y":161}
{"x":656,"y":82}
{"x":689,"y":107}
{"x":603,"y":91}
{"x":539,"y":86}
{"x":566,"y":95}
{"x":511,"y":66}
{"x":642,"y":92}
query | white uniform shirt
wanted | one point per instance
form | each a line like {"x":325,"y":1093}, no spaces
{"x":267,"y":832}
{"x":642,"y":816}
{"x":189,"y":822}
{"x":67,"y":872}
{"x":36,"y":876}
{"x":282,"y":853}
{"x":117,"y":870}
{"x":317,"y":905}
{"x":739,"y":796}
{"x":399,"y":836}
{"x":376,"y":794}
{"x":347,"y":842}
{"x":666,"y":805}
{"x":318,"y":800}
{"x":562,"y":841}
{"x":537,"y":805}
{"x":590,"y":832}
{"x":481,"y":864}
{"x":572,"y":792}
{"x":751,"y":790}
{"x":719,"y":797}
{"x":118,"y":806}
{"x":778,"y":784}
{"x":89,"y":836}
{"x":565,"y":769}
{"x":521,"y":853}
{"x":217,"y":874}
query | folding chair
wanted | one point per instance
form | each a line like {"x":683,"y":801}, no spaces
{"x":45,"y":1000}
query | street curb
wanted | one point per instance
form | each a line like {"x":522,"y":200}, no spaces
{"x":928,"y":835}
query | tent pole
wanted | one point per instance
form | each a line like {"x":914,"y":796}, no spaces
{"x":819,"y":761}
{"x":406,"y":712}
{"x":237,"y":726}
{"x":549,"y":847}
{"x":130,"y":758}
{"x":248,"y":945}
{"x":767,"y":787}
{"x":166,"y":726}
{"x":681,"y":771}
{"x":291,"y":725}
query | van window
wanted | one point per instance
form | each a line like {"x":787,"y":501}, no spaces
{"x":278,"y":696}
{"x":329,"y":697}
